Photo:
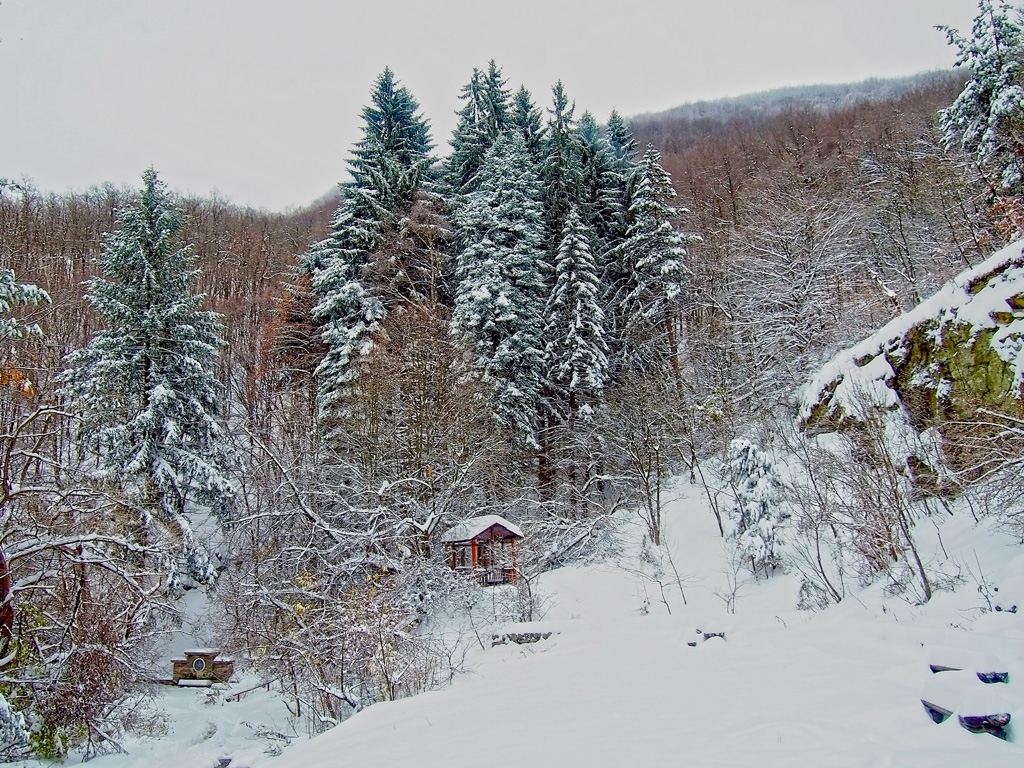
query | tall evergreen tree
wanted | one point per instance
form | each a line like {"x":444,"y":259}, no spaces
{"x":144,"y":386}
{"x":484,"y":116}
{"x":500,"y":296}
{"x":987,"y":118}
{"x":388,"y":168}
{"x":616,"y":191}
{"x":347,"y":308}
{"x":653,"y":265}
{"x":574,"y":325}
{"x":618,"y":187}
{"x":600,"y":189}
{"x":561,"y":169}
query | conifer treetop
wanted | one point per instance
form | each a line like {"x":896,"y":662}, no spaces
{"x":485,"y":115}
{"x":621,"y":140}
{"x":987,"y":119}
{"x":392,"y":127}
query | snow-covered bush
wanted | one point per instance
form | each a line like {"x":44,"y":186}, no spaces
{"x":14,"y":734}
{"x":855,"y":497}
{"x":755,"y":515}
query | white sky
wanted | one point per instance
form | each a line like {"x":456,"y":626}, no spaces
{"x":260,"y":100}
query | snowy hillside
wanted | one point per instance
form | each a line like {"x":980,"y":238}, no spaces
{"x":540,"y":319}
{"x":619,"y":684}
{"x":627,"y":676}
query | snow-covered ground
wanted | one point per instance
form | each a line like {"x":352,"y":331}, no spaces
{"x":618,"y":683}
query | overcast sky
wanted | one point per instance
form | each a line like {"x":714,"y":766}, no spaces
{"x":260,"y":100}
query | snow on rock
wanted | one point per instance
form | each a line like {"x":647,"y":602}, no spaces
{"x":962,"y":345}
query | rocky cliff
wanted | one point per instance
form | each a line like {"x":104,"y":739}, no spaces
{"x":955,"y":353}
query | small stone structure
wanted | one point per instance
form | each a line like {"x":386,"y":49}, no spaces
{"x":202,"y":667}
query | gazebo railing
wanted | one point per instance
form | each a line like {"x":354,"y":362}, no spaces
{"x":496,"y":575}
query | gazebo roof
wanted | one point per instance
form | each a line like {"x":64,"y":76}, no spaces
{"x":470,"y":529}
{"x":201,"y":651}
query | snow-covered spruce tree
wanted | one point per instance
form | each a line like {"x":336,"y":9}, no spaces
{"x":652,"y":267}
{"x":987,"y":118}
{"x":574,"y":325}
{"x":621,"y":142}
{"x":575,"y":363}
{"x":619,"y":179}
{"x":388,"y":167}
{"x":144,"y":388}
{"x":601,"y":199}
{"x":499,"y":301}
{"x":349,"y":312}
{"x":561,"y":171}
{"x":755,"y":516}
{"x":484,"y":116}
{"x":527,"y":119}
{"x":616,"y":193}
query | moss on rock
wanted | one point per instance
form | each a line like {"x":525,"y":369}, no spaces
{"x":944,"y":361}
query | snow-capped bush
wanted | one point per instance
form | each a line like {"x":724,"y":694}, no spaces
{"x":14,"y":735}
{"x":755,"y":516}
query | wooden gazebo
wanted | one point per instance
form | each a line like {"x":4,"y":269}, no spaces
{"x":485,"y":547}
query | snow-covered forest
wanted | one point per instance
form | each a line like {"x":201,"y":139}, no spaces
{"x":550,"y":316}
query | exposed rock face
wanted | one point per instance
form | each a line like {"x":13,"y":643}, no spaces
{"x":954,"y":353}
